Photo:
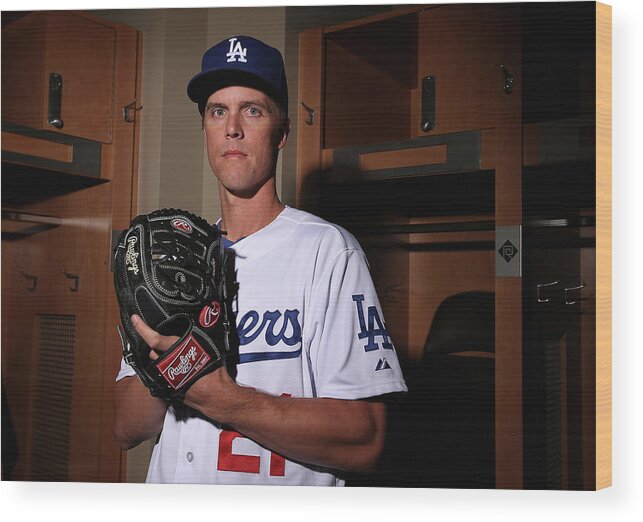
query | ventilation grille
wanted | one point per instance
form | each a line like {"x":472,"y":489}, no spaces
{"x":52,"y":409}
{"x":554,"y":404}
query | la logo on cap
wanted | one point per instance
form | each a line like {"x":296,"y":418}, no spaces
{"x":236,"y":53}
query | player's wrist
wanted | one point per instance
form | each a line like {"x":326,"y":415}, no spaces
{"x":216,"y":395}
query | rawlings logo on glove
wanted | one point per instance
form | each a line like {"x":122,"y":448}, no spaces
{"x":169,"y":270}
{"x":210,"y":315}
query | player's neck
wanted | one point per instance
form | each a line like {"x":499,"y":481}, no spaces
{"x":241,"y":217}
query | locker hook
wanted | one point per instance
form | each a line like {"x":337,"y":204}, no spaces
{"x":538,"y":287}
{"x":32,"y":278}
{"x":129,"y":112}
{"x":509,"y":79}
{"x":567,"y":301}
{"x":76,"y":281}
{"x":387,"y":291}
{"x":311,"y":114}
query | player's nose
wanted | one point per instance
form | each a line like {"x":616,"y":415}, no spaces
{"x":234,"y":129}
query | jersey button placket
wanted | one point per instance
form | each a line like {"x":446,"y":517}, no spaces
{"x":189,"y":456}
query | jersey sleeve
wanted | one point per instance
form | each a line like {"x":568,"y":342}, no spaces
{"x":125,"y":371}
{"x":351,"y":353}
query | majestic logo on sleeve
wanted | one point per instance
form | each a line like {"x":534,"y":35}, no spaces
{"x":372,"y":329}
{"x":237,"y":53}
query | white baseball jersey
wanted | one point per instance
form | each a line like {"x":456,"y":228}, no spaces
{"x":310,"y":325}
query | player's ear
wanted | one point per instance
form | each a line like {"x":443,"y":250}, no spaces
{"x":284,"y":131}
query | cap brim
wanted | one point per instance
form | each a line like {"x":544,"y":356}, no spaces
{"x":204,"y":84}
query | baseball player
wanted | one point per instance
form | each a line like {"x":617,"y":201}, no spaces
{"x":315,"y":357}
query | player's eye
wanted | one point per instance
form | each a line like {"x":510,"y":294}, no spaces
{"x":217,"y":112}
{"x":254,"y":111}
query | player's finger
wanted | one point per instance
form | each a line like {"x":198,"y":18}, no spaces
{"x":152,"y":338}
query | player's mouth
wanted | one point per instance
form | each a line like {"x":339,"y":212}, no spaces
{"x":233,"y":153}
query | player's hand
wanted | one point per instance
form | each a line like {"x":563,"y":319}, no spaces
{"x":159,"y":343}
{"x":201,"y":394}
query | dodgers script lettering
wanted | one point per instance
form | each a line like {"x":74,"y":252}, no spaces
{"x":249,"y":327}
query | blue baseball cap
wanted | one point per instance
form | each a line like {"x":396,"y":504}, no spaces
{"x":240,"y":60}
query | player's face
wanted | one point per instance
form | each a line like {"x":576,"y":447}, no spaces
{"x":243,"y":137}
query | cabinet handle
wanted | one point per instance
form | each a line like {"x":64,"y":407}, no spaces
{"x":428,"y":103}
{"x":55,"y":100}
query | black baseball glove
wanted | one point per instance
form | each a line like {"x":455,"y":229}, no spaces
{"x":169,"y":269}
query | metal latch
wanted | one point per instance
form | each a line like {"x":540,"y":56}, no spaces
{"x":509,"y":251}
{"x":55,"y":100}
{"x":428,"y":103}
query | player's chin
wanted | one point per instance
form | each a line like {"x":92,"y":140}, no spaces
{"x":245,"y":194}
{"x":231,"y":171}
{"x":244,"y":190}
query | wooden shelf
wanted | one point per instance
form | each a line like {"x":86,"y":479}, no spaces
{"x":38,"y":165}
{"x":22,"y":184}
{"x":17,"y":224}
